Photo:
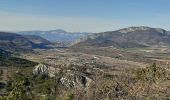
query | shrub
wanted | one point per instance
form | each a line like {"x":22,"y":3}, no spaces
{"x":151,"y":73}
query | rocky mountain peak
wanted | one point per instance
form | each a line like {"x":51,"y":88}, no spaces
{"x":140,"y":28}
{"x":160,"y":30}
{"x":58,"y":31}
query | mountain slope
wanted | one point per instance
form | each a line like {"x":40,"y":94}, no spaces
{"x":16,"y":43}
{"x":128,"y":38}
{"x":37,"y":39}
{"x":7,"y":60}
{"x":57,"y":35}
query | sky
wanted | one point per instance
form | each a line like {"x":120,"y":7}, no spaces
{"x":83,"y":15}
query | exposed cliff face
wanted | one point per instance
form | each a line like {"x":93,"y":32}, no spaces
{"x":68,"y":78}
{"x":42,"y":69}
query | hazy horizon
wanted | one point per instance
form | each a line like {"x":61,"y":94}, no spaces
{"x":82,"y":16}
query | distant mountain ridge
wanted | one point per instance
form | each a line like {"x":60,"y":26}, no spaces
{"x":57,"y":35}
{"x":127,"y":38}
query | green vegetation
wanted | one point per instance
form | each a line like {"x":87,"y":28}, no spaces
{"x":15,"y":62}
{"x":151,"y":73}
{"x":18,"y":92}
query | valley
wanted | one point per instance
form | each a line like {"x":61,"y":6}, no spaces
{"x":96,"y":68}
{"x":84,"y":50}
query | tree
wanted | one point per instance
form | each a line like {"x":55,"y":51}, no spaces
{"x":18,"y":92}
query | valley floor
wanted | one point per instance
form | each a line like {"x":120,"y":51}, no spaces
{"x":92,"y":74}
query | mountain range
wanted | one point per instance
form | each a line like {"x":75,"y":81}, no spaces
{"x":132,"y":37}
{"x":57,"y":35}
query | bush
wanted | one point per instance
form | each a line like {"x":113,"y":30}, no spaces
{"x":151,"y":73}
{"x":18,"y":92}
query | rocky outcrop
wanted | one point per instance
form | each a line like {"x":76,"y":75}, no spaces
{"x":69,"y":79}
{"x":42,"y":69}
{"x":73,"y":80}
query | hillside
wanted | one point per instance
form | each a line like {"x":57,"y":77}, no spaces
{"x":8,"y":60}
{"x":131,"y":37}
{"x":18,"y":43}
{"x":37,"y":39}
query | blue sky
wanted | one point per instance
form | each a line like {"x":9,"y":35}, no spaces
{"x":83,"y":15}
